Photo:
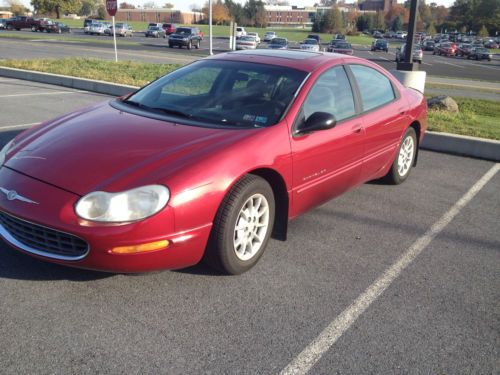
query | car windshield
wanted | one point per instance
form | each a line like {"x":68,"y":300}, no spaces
{"x":248,"y":39}
{"x":222,"y":93}
{"x":182,"y":30}
{"x":154,"y":28}
{"x":381,"y":42}
{"x":310,"y":41}
{"x":482,"y":50}
{"x":344,"y":45}
{"x":280,"y":41}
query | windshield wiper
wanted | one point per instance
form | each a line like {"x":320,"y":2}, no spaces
{"x":172,"y":112}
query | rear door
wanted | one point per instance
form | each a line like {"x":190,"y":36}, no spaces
{"x":384,"y":117}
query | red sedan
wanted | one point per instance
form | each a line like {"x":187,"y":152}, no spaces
{"x":209,"y":161}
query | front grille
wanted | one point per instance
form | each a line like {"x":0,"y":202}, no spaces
{"x":42,"y":241}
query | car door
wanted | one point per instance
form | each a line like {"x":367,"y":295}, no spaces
{"x":326,"y":162}
{"x":384,"y":117}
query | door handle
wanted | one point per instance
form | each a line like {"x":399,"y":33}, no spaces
{"x":356,"y":128}
{"x":402,"y":110}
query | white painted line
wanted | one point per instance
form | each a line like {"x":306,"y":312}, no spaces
{"x":40,"y":93}
{"x":321,"y":344}
{"x":447,"y":63}
{"x":426,"y":63}
{"x":371,"y":53}
{"x":18,"y":126}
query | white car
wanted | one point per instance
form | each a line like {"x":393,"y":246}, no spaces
{"x":310,"y":45}
{"x":246,"y":42}
{"x":269,"y":35}
{"x":401,"y":35}
{"x":256,"y":35}
{"x":240,"y":31}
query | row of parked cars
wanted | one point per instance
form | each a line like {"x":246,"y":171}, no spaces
{"x":35,"y":24}
{"x":476,"y":50}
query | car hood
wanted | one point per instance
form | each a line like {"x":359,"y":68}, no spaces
{"x":102,"y":148}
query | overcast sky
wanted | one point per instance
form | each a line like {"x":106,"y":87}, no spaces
{"x":185,"y":4}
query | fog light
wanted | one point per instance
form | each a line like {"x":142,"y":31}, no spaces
{"x":150,"y":246}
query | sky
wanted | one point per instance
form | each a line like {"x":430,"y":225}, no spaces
{"x":185,"y":4}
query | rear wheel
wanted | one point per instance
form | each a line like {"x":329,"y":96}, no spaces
{"x":197,"y":45}
{"x":405,"y":158}
{"x":189,"y":45}
{"x":242,"y":226}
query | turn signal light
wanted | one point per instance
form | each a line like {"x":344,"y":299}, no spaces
{"x":150,"y":246}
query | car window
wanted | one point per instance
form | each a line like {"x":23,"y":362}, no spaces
{"x":331,"y":93}
{"x":375,"y":88}
{"x":197,"y":82}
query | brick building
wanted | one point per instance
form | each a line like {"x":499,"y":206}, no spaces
{"x":158,"y":15}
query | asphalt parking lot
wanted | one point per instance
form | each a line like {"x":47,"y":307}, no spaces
{"x":157,"y":51}
{"x":385,"y":280}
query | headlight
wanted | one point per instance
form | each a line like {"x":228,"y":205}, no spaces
{"x":131,"y":205}
{"x":4,"y":151}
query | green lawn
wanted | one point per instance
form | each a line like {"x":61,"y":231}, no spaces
{"x":477,"y":118}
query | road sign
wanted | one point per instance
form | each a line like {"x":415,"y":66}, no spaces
{"x":111,"y":7}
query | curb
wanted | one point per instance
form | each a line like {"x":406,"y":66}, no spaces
{"x":462,"y":145}
{"x":100,"y":87}
{"x":440,"y":142}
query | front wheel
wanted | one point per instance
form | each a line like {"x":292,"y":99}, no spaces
{"x":242,"y":226}
{"x":197,"y":45}
{"x":405,"y":158}
{"x":189,"y":45}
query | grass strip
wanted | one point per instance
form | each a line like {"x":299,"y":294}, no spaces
{"x":477,"y":117}
{"x":122,"y":72}
{"x":63,"y":38}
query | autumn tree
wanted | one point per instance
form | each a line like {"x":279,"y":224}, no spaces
{"x":126,"y":5}
{"x":16,"y":7}
{"x":56,"y":6}
{"x":220,"y":13}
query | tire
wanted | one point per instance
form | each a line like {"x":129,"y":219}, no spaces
{"x":404,"y":160}
{"x":197,"y":45}
{"x":33,"y":29}
{"x":234,"y":251}
{"x":420,"y":61}
{"x":189,"y":45}
{"x":170,"y":45}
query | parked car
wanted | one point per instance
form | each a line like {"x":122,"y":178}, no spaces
{"x":169,"y":28}
{"x":155,"y":32}
{"x":378,"y":35}
{"x":89,"y":23}
{"x":333,"y":44}
{"x":185,"y":36}
{"x":480,"y":53}
{"x":428,"y":45}
{"x":3,"y":23}
{"x":240,"y":31}
{"x":99,"y":28}
{"x":58,"y":27}
{"x":310,"y":45}
{"x":256,"y":35}
{"x":246,"y":42}
{"x":155,"y":24}
{"x":316,"y":37}
{"x":269,"y":35}
{"x":446,"y":49}
{"x":122,"y":29}
{"x":339,"y":36}
{"x":491,"y":44}
{"x":180,"y":182}
{"x":344,"y":48}
{"x":278,"y":43}
{"x":19,"y":22}
{"x":418,"y":54}
{"x":401,"y":35}
{"x":380,"y":45}
{"x":463,"y":49}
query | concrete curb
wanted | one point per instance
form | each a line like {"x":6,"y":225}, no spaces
{"x":100,"y":87}
{"x":462,"y":145}
{"x":441,"y":142}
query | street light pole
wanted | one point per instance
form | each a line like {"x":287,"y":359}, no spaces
{"x":410,"y":40}
{"x":210,"y":26}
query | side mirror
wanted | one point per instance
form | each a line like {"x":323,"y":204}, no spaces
{"x":317,"y":121}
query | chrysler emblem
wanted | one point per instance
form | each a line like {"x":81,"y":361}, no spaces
{"x":12,"y":195}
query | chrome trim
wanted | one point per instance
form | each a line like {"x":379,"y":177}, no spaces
{"x":13,"y":241}
{"x":12,"y":195}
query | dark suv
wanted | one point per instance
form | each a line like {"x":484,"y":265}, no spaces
{"x":185,"y":36}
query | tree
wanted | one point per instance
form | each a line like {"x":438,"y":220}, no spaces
{"x":101,"y":11}
{"x":56,"y":6}
{"x":168,"y":6}
{"x":397,"y":24}
{"x":126,"y":5}
{"x":235,"y":11}
{"x":483,"y":32}
{"x":16,"y":7}
{"x":431,"y":29}
{"x":220,"y":13}
{"x":88,"y":8}
{"x":150,"y":5}
{"x":379,"y":21}
{"x":250,"y":10}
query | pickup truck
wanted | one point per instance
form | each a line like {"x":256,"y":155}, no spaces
{"x":20,"y":22}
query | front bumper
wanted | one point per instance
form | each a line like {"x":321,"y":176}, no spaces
{"x":54,"y":210}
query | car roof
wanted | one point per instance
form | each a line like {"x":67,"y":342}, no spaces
{"x":301,"y":60}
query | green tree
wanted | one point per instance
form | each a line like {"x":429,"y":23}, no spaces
{"x":56,"y":6}
{"x":397,"y":24}
{"x":483,"y":32}
{"x":431,"y":29}
{"x":332,"y":22}
{"x":16,"y":7}
{"x":380,"y":21}
{"x":89,"y":7}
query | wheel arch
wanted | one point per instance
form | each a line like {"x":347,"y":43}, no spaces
{"x":277,"y":183}
{"x":416,"y":126}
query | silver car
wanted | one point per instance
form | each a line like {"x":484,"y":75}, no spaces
{"x":310,"y":45}
{"x":246,"y":42}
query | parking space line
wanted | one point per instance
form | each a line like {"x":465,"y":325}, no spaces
{"x":41,"y":93}
{"x":21,"y":126}
{"x":329,"y":336}
{"x":447,"y":63}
